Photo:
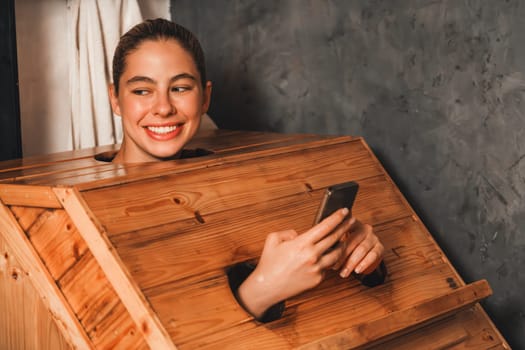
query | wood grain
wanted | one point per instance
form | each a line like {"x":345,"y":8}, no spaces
{"x":33,"y":196}
{"x":466,"y":330}
{"x":399,"y":321}
{"x":132,"y":298}
{"x":131,"y":206}
{"x":44,"y":160}
{"x":118,"y":332}
{"x":416,"y":272}
{"x":42,"y":280}
{"x":228,"y":237}
{"x":98,"y":307}
{"x":87,"y":180}
{"x":25,"y":322}
{"x":57,"y":240}
{"x":26,"y":216}
{"x":88,"y":292}
{"x":83,"y":170}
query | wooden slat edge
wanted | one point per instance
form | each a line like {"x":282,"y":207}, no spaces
{"x":44,"y":284}
{"x":400,"y":321}
{"x":30,"y":196}
{"x":117,"y":274}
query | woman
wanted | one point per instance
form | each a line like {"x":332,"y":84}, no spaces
{"x":160,"y":91}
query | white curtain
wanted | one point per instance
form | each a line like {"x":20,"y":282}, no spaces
{"x":96,"y":26}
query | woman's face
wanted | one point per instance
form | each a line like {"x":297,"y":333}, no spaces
{"x":160,"y":100}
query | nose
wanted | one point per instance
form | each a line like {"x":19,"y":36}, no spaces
{"x":163,"y":106}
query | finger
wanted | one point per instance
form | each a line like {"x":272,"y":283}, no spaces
{"x":356,"y":257}
{"x":371,"y":260}
{"x":328,"y":242}
{"x":342,"y":258}
{"x":329,"y":259}
{"x":319,"y":231}
{"x":354,"y":236}
{"x":358,"y":233}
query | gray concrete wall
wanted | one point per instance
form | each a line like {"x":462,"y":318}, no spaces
{"x":437,"y":88}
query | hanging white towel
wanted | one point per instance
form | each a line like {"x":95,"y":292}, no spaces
{"x":96,"y":26}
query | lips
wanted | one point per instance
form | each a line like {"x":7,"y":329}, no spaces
{"x":163,"y":132}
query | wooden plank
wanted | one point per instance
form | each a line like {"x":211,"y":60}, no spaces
{"x":197,"y":307}
{"x":203,"y":310}
{"x":49,"y":159}
{"x":116,"y":332}
{"x":215,"y":140}
{"x":201,"y":192}
{"x":117,"y":174}
{"x":32,"y":196}
{"x":467,"y":329}
{"x":26,"y":216}
{"x":210,"y":332}
{"x":52,"y":169}
{"x":88,"y":292}
{"x":42,"y":280}
{"x":399,"y":321}
{"x":98,"y":307}
{"x":57,"y":241}
{"x":88,"y":169}
{"x":25,"y":322}
{"x":130,"y":295}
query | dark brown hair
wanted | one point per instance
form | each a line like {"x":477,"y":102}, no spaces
{"x":154,"y":30}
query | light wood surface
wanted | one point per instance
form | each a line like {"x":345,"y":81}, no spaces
{"x":33,"y":196}
{"x":43,"y":283}
{"x":64,"y":253}
{"x":25,"y":321}
{"x":147,"y":322}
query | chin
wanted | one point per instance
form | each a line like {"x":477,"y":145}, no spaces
{"x":166,"y":154}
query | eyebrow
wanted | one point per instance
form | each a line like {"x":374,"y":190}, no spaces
{"x":144,"y":79}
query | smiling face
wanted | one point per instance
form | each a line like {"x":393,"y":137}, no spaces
{"x":160,"y":99}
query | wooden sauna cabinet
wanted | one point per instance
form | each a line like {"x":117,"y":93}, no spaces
{"x":106,"y":256}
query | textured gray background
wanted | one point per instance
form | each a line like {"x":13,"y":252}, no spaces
{"x":436,"y":87}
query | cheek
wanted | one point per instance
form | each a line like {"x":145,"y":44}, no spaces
{"x":134,"y":109}
{"x":191,"y":106}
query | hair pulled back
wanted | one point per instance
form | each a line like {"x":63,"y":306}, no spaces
{"x":155,"y":30}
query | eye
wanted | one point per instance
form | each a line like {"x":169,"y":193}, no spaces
{"x":180,"y":89}
{"x":140,"y":92}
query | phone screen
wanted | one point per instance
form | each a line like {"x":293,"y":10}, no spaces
{"x":337,"y":197}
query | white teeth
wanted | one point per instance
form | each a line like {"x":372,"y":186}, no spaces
{"x":162,"y":129}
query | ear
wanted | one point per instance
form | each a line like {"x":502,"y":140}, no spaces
{"x":206,"y":97}
{"x":113,"y":99}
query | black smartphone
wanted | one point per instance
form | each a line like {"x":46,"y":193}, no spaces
{"x":336,"y":197}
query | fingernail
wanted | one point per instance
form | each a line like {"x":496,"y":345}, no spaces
{"x":344,"y":273}
{"x":358,"y":269}
{"x":345,"y":211}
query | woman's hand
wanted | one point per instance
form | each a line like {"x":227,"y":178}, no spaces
{"x":291,"y":263}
